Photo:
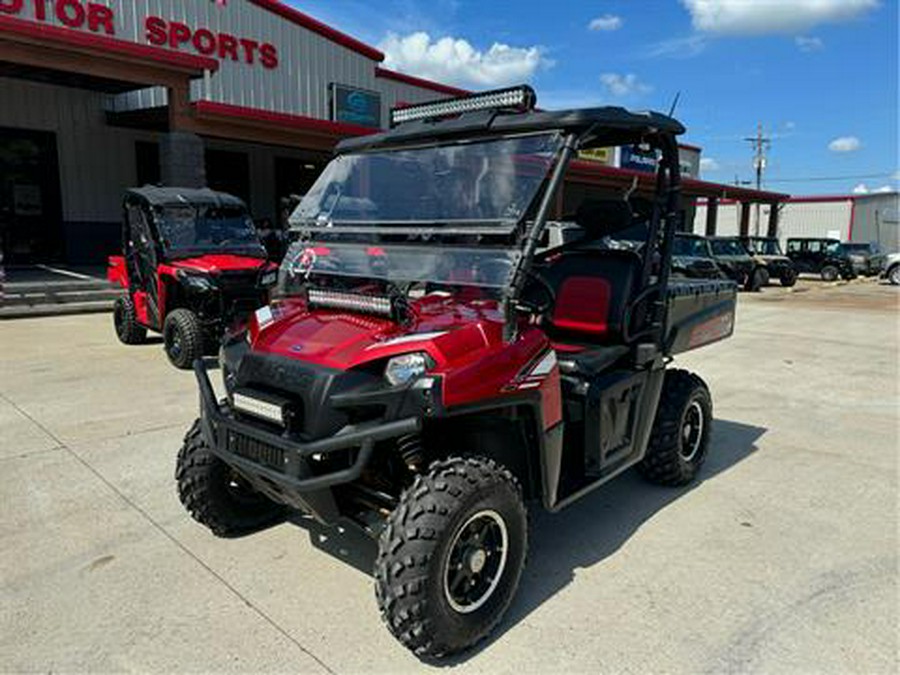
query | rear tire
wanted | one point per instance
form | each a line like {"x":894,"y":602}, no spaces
{"x":789,"y":278}
{"x":215,"y":495}
{"x":830,"y":273}
{"x":680,"y":437}
{"x":183,"y":338}
{"x":128,"y":330}
{"x":451,"y":556}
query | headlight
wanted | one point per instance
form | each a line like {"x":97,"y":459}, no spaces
{"x":196,"y":282}
{"x":406,"y":367}
{"x":269,"y":278}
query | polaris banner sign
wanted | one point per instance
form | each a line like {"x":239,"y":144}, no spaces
{"x":355,"y":106}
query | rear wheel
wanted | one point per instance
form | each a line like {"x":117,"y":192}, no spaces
{"x":830,"y":273}
{"x":128,"y":330}
{"x":680,"y":437}
{"x":215,"y":495}
{"x":451,"y":556}
{"x":183,"y":338}
{"x":788,"y":278}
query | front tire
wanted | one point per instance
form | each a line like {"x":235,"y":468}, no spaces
{"x":830,"y":273}
{"x":215,"y":495}
{"x":451,"y":556}
{"x":788,"y":278}
{"x":183,"y":338}
{"x":757,"y":279}
{"x":893,"y":275}
{"x":128,"y":330}
{"x":680,"y":437}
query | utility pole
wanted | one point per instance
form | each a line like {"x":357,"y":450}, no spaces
{"x":761,"y":145}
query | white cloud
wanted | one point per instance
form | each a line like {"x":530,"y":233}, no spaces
{"x":845,"y":144}
{"x":678,"y":48}
{"x":861,"y":189}
{"x":809,"y":44}
{"x":607,"y":22}
{"x":620,"y":86}
{"x":757,"y":17}
{"x":884,"y":188}
{"x":709,"y":164}
{"x":456,"y":61}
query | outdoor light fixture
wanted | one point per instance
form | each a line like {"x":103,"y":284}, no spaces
{"x":515,"y":98}
{"x":354,"y":302}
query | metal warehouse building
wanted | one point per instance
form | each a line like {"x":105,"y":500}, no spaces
{"x":873,"y":217}
{"x":246,"y":96}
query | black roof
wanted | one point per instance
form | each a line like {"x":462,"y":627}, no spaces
{"x":608,"y":126}
{"x":178,"y":195}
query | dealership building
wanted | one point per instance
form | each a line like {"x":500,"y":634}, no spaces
{"x":245,"y":96}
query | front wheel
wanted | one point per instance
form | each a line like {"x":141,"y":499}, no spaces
{"x":830,"y":273}
{"x":451,"y":556}
{"x":789,"y":278}
{"x":215,"y":495}
{"x":183,"y":338}
{"x":680,"y":436}
{"x":893,"y":275}
{"x":128,"y":330}
{"x":757,"y":279}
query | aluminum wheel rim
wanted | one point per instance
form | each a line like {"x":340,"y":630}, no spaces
{"x":476,"y":561}
{"x":692,"y":431}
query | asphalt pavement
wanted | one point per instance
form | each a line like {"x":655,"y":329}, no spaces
{"x":783,"y":557}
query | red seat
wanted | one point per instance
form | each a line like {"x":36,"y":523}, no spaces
{"x":582,"y":305}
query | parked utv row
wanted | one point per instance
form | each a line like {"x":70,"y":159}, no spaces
{"x":751,"y":262}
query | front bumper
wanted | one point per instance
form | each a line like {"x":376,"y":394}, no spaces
{"x":281,"y":467}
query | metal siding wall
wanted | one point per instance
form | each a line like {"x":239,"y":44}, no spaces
{"x":96,"y":162}
{"x":876,"y":219}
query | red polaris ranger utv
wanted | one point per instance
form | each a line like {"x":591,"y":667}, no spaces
{"x":428,"y":372}
{"x":192,"y":265}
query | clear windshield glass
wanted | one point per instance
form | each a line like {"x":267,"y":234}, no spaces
{"x":727,"y":247}
{"x":765,"y":246}
{"x":484,"y":267}
{"x":690,"y":246}
{"x":464,"y":185}
{"x":191,"y":228}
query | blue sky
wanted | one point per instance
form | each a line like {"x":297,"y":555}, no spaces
{"x":820,"y":75}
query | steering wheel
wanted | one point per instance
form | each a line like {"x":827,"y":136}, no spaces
{"x":534,"y":278}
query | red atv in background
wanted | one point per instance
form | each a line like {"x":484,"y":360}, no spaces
{"x":192,"y":265}
{"x":434,"y":365}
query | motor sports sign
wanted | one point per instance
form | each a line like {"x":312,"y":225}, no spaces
{"x":155,"y":30}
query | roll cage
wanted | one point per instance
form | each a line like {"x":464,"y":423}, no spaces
{"x":581,"y":130}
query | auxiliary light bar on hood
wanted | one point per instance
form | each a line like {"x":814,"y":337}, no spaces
{"x":520,"y":99}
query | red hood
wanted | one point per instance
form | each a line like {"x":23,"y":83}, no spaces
{"x":448,"y":331}
{"x":219,"y":262}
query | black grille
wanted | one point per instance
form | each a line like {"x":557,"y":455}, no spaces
{"x":242,"y":281}
{"x":254,"y":450}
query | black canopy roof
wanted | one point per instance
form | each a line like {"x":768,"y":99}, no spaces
{"x":606,"y":126}
{"x":163,"y":196}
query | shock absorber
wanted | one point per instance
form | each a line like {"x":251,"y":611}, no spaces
{"x":410,"y":450}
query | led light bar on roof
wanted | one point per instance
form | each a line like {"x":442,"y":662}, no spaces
{"x":353,"y":302}
{"x":514,"y":98}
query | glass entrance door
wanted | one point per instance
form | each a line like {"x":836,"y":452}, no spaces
{"x":30,"y":200}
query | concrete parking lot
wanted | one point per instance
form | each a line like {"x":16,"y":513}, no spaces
{"x":783,"y":558}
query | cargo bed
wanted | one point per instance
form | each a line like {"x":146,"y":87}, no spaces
{"x":698,"y":312}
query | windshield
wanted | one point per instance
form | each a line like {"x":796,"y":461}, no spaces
{"x":400,"y":264}
{"x":727,"y":247}
{"x":857,"y":248}
{"x":192,"y":228}
{"x":472,"y":186}
{"x":690,"y":246}
{"x":765,"y":246}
